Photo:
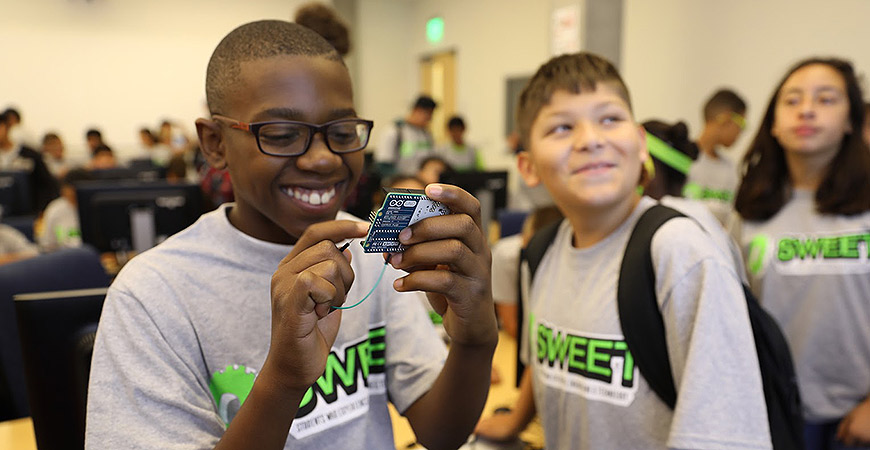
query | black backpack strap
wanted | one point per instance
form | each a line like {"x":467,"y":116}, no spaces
{"x":533,"y":253}
{"x":639,"y":313}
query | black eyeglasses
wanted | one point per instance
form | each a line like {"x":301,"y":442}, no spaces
{"x":291,"y":138}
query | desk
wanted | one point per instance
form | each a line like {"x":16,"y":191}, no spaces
{"x":17,"y":434}
{"x":502,"y":394}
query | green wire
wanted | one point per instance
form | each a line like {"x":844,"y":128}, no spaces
{"x":383,"y":269}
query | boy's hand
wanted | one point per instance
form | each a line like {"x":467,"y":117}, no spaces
{"x":448,"y":258}
{"x":310,"y":280}
{"x":854,"y":429}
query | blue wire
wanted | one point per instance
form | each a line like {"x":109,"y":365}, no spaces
{"x":383,"y":269}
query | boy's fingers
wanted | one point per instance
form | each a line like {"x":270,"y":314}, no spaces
{"x":444,"y":282}
{"x":334,"y":231}
{"x":458,"y":200}
{"x":451,"y":252}
{"x":456,"y":226}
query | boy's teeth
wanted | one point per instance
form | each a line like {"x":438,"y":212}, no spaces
{"x":312,"y":197}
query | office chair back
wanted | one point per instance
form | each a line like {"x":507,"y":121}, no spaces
{"x":75,"y":268}
{"x":57,"y":340}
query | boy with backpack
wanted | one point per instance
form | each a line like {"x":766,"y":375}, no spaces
{"x":590,"y":386}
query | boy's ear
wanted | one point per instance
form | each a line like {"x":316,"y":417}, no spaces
{"x":211,"y":143}
{"x":643,"y":153}
{"x":527,"y":169}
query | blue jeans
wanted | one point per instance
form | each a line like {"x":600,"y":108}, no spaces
{"x":823,"y":436}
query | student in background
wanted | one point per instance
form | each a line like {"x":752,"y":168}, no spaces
{"x":14,"y":245}
{"x":506,"y":266}
{"x":804,"y":214}
{"x":407,"y":142}
{"x":670,"y":156}
{"x":18,"y":157}
{"x":460,"y":155}
{"x":225,"y":335}
{"x":53,"y":155}
{"x":103,"y":158}
{"x":60,"y":227}
{"x":713,"y":177}
{"x":94,"y":139}
{"x":432,"y":168}
{"x":152,"y":149}
{"x":584,"y":145}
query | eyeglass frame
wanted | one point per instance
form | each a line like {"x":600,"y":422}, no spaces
{"x":254,"y":129}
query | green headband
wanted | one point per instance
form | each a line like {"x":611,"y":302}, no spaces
{"x":667,"y":154}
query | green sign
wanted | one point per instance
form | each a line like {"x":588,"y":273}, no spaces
{"x":435,"y":29}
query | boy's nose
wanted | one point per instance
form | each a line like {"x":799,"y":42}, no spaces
{"x":318,"y":158}
{"x":587,"y":137}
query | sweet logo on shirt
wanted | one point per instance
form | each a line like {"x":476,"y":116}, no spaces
{"x":352,"y":374}
{"x":696,"y":191}
{"x":598,"y":367}
{"x":342,"y":392}
{"x":811,"y":253}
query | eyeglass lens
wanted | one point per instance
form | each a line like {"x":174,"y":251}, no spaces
{"x":293,"y":138}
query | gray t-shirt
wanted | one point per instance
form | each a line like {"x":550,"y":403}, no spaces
{"x":812,"y":273}
{"x":589,"y":394}
{"x":416,"y":146}
{"x":713,"y":181}
{"x":186,"y":328}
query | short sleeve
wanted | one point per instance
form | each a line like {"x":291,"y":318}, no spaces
{"x":148,"y":389}
{"x":505,"y":269}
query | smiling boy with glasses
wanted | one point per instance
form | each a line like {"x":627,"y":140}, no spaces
{"x":228,"y":335}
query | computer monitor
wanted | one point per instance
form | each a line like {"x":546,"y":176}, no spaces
{"x":126,"y":216}
{"x":57,"y":331}
{"x":138,"y":172}
{"x":490,"y":188}
{"x":15,"y":195}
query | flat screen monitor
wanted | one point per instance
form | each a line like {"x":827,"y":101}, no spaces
{"x":57,"y":331}
{"x":490,"y":188}
{"x":138,"y":172}
{"x":15,"y":196}
{"x":126,"y":216}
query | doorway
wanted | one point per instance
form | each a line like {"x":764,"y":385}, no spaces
{"x":438,"y":80}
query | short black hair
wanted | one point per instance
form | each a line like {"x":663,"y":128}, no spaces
{"x":456,"y":121}
{"x":325,"y":21}
{"x":255,"y":41}
{"x":103,"y":148}
{"x":12,"y":112}
{"x":51,"y":136}
{"x":425,"y":102}
{"x":723,"y":100}
{"x":93,"y":132}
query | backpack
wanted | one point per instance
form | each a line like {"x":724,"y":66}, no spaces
{"x":644,"y":329}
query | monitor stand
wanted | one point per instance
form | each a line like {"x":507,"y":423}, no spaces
{"x":142,"y":229}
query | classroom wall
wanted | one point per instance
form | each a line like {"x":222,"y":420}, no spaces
{"x":114,"y":64}
{"x":118,"y":65}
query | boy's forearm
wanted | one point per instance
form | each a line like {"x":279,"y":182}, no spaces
{"x":445,"y":416}
{"x":264,"y":420}
{"x":524,"y":410}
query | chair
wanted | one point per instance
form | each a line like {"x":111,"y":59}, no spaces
{"x":57,"y":341}
{"x":77,"y":268}
{"x":511,"y":222}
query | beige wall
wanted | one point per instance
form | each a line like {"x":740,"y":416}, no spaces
{"x":120,"y":64}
